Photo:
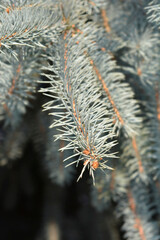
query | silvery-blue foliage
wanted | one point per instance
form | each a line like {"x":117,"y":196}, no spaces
{"x":97,"y":63}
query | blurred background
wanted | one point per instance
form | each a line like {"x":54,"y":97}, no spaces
{"x":34,"y":208}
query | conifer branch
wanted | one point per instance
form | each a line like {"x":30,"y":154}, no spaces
{"x":89,"y":127}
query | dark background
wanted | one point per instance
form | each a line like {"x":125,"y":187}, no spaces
{"x":34,"y":208}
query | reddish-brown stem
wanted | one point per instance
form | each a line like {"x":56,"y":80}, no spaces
{"x":10,"y":91}
{"x":135,"y":147}
{"x":138,"y":224}
{"x":139,"y":71}
{"x":92,"y":3}
{"x":107,"y":92}
{"x":80,"y":126}
{"x":105,"y":21}
{"x":157,"y":102}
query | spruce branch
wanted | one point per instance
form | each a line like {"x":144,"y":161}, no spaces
{"x":112,"y":82}
{"x":136,"y":157}
{"x":25,"y":24}
{"x":137,"y":211}
{"x":17,"y":86}
{"x":85,"y":123}
{"x":99,"y":66}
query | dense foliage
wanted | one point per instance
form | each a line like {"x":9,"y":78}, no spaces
{"x":94,"y":67}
